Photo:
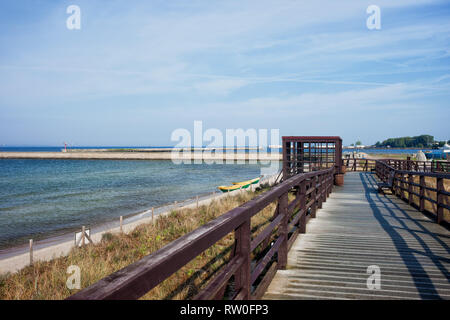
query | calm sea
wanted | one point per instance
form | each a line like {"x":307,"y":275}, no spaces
{"x":39,"y":198}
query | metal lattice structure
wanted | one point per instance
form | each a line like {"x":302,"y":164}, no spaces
{"x":311,"y":153}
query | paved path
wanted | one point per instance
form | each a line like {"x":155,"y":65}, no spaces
{"x":358,"y":228}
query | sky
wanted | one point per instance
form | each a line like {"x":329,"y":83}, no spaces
{"x":138,"y":70}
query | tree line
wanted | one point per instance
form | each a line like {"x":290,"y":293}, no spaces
{"x":422,"y":141}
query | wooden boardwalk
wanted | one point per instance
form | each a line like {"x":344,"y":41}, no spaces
{"x":357,"y":228}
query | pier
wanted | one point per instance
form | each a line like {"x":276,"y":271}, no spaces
{"x":332,"y":232}
{"x":157,"y":154}
{"x":357,"y":228}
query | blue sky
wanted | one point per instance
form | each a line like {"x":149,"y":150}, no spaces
{"x":137,"y":70}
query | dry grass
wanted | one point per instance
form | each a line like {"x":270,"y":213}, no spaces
{"x":47,"y":280}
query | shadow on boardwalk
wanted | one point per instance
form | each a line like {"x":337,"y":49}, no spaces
{"x":424,"y":284}
{"x":358,"y":228}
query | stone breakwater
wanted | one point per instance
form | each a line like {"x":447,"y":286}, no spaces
{"x":103,"y":155}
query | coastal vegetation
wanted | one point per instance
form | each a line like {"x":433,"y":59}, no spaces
{"x":422,"y":141}
{"x":47,"y":279}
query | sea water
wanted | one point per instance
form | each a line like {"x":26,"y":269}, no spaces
{"x":40,"y":198}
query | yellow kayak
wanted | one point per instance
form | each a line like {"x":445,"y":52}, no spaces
{"x":233,"y":187}
{"x":252,"y":181}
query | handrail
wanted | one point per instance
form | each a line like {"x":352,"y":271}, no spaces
{"x":355,"y":164}
{"x":422,"y":166}
{"x":406,"y":187}
{"x":137,"y":279}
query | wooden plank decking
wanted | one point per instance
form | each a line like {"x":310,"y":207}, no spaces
{"x":356,"y":228}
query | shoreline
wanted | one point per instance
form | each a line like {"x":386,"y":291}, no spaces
{"x":15,"y":258}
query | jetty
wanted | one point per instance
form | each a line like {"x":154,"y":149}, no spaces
{"x":207,"y":154}
{"x":360,"y":229}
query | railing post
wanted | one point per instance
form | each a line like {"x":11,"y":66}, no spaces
{"x":422,"y":193}
{"x":283,"y":231}
{"x":242,"y":277}
{"x":410,"y":182}
{"x":329,"y":183}
{"x":440,"y":199}
{"x":314,"y":195}
{"x":302,"y":225}
{"x":320,"y":188}
{"x":395,"y":184}
{"x":405,"y":188}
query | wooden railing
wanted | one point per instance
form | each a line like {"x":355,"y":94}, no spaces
{"x":310,"y":190}
{"x":353,"y":164}
{"x":421,"y":189}
{"x":422,"y":166}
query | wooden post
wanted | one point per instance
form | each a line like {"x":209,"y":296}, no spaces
{"x":402,"y":184}
{"x":121,"y":224}
{"x":410,"y":188}
{"x":197,"y":201}
{"x":283,"y":231}
{"x":313,"y":196}
{"x":31,"y":252}
{"x":422,"y":193}
{"x":243,"y":241}
{"x":324,"y":188}
{"x":397,"y":184}
{"x":302,"y":224}
{"x":440,"y":199}
{"x":330,"y":183}
{"x":83,"y":230}
{"x":319,"y":202}
{"x":153,"y":215}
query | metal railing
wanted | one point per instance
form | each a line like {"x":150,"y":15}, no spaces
{"x":251,"y":278}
